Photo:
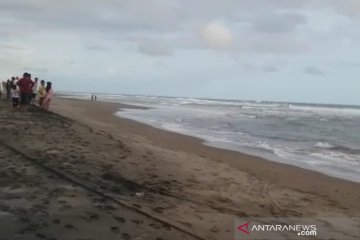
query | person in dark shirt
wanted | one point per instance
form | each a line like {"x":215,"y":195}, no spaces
{"x":8,"y":89}
{"x":13,"y":81}
{"x":25,"y":84}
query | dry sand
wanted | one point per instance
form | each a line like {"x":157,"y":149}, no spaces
{"x":86,"y":174}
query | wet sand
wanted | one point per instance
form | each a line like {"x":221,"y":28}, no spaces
{"x":96,"y":176}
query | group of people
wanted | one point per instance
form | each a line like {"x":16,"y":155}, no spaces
{"x":93,"y":97}
{"x":25,"y":91}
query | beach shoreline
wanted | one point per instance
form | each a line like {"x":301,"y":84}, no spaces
{"x":319,"y":152}
{"x":301,"y":179}
{"x":174,"y":183}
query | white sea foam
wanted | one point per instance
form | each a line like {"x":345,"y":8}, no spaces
{"x":324,"y":145}
{"x":336,"y":111}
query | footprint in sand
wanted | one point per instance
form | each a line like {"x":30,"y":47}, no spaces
{"x":119,"y":219}
{"x":65,"y":208}
{"x":166,"y":227}
{"x":93,"y":216}
{"x":31,"y":228}
{"x":56,"y":221}
{"x":215,"y":229}
{"x":40,"y":235}
{"x":155,"y":225}
{"x":114,"y":229}
{"x":152,"y":176}
{"x":25,"y":220}
{"x":126,"y":236}
{"x":136,"y":206}
{"x":109,"y":208}
{"x":136,"y":221}
{"x":158,"y":209}
{"x":69,"y":226}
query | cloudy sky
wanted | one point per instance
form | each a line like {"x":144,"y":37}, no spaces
{"x":286,"y":50}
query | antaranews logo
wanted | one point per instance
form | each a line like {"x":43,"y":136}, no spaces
{"x":322,"y":228}
{"x":254,"y":230}
{"x":244,"y":228}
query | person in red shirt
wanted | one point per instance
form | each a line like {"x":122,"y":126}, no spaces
{"x":25,"y":84}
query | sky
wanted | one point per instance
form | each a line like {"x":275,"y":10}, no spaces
{"x":277,"y":50}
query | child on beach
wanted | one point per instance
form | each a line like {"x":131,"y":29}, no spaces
{"x":49,"y":93}
{"x":15,"y":95}
{"x":42,"y":92}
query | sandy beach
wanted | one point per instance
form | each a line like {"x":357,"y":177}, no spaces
{"x":83,"y":173}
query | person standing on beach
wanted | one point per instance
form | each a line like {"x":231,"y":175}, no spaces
{"x":12,"y":82}
{"x":8,"y":89}
{"x":34,"y":91}
{"x":42,"y":92}
{"x":25,"y":84}
{"x":15,"y":95}
{"x":49,"y":93}
{"x":1,"y":89}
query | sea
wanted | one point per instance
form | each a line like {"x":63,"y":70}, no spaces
{"x":320,"y":137}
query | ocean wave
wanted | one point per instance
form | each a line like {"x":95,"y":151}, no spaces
{"x":324,"y":145}
{"x":340,"y":158}
{"x":327,"y":110}
{"x":338,"y":148}
{"x":208,"y":102}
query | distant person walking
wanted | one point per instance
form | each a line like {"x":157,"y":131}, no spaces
{"x":49,"y":94}
{"x":25,"y":84}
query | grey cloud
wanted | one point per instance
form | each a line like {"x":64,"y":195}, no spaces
{"x":34,"y":70}
{"x":265,"y":43}
{"x":123,"y":20}
{"x":314,"y":71}
{"x":349,"y":8}
{"x":155,"y":48}
{"x":95,"y":46}
{"x":97,"y":16}
{"x":70,"y":62}
{"x":159,"y":15}
{"x":274,"y":23}
{"x":19,"y":6}
{"x":12,"y":47}
{"x":270,"y":68}
{"x":248,"y":66}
